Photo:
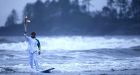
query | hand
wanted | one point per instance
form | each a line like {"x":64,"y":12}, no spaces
{"x":25,"y":32}
{"x":39,"y":53}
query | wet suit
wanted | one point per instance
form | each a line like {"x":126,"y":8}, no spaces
{"x":33,"y":48}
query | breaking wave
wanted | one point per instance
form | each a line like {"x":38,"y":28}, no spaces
{"x":76,"y":43}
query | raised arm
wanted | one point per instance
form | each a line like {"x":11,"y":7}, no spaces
{"x":26,"y":37}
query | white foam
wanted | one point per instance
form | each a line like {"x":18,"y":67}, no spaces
{"x":16,"y":68}
{"x":104,"y":64}
{"x":76,"y":43}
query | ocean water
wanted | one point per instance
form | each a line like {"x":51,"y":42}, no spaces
{"x":72,"y":53}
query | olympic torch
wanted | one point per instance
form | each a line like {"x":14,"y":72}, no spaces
{"x":26,"y":21}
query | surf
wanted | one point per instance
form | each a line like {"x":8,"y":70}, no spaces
{"x":76,"y":43}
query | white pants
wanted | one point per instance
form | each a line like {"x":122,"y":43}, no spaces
{"x":33,"y":60}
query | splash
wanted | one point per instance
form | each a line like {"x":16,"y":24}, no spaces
{"x":76,"y":43}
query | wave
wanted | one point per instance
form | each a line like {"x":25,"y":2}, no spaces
{"x":76,"y":43}
{"x":106,"y":65}
{"x":11,"y":39}
{"x":16,"y":68}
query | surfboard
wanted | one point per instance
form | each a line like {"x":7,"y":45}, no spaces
{"x":47,"y":70}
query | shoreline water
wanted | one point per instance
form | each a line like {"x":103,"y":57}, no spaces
{"x":75,"y":56}
{"x":118,"y":72}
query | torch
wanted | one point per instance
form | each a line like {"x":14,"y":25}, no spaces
{"x":26,"y":21}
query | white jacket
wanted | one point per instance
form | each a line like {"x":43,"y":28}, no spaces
{"x":32,"y":44}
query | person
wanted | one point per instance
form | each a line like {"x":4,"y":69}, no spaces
{"x":33,"y":49}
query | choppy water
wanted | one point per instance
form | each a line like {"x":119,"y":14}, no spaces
{"x":74,"y":53}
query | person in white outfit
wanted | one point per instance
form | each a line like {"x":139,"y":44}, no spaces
{"x":33,"y":49}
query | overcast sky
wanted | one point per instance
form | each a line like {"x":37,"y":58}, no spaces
{"x":6,"y":6}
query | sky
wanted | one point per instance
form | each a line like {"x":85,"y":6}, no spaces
{"x":6,"y":6}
